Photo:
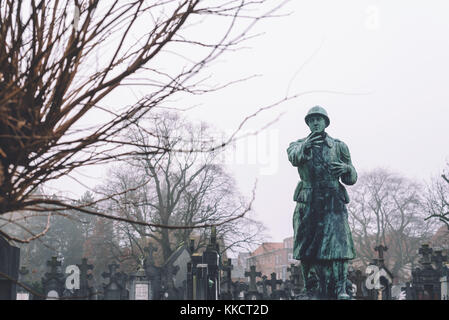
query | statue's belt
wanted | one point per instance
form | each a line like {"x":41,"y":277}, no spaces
{"x":320,"y":184}
{"x":304,"y":189}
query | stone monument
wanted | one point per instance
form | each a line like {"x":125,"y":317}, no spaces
{"x":322,"y":237}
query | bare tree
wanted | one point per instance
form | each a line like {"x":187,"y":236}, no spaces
{"x":437,"y":199}
{"x":388,"y":209}
{"x":60,"y":60}
{"x":187,"y":189}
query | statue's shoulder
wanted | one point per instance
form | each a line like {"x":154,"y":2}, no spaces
{"x":336,"y":141}
{"x":344,"y":150}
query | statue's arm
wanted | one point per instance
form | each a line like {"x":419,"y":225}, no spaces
{"x":350,"y":177}
{"x":297,"y":153}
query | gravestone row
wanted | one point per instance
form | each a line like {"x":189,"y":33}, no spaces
{"x":204,"y":276}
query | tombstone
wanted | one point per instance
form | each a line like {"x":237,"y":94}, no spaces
{"x":22,"y":293}
{"x":382,"y":289}
{"x":239,"y":290}
{"x":264,"y":285}
{"x":211,"y":257}
{"x":426,"y":280}
{"x":140,"y":285}
{"x":275,"y":292}
{"x":115,"y":289}
{"x":153,"y":272}
{"x":252,"y":293}
{"x":203,"y":281}
{"x":53,"y":282}
{"x":226,"y":288}
{"x":409,"y":292}
{"x":85,"y":291}
{"x":358,"y":279}
{"x":286,"y":290}
{"x":199,"y":274}
{"x":9,"y":265}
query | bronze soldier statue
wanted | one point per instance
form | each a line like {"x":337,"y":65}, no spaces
{"x":322,"y":237}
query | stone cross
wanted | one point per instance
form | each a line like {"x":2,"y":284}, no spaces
{"x":252,"y":274}
{"x":53,"y":264}
{"x":53,"y":280}
{"x":264,"y":284}
{"x":192,"y":246}
{"x":274,"y":282}
{"x":84,"y":269}
{"x":115,"y":289}
{"x":150,"y":250}
{"x":359,"y":279}
{"x":295,"y":276}
{"x":112,"y":274}
{"x":426,"y":252}
{"x":84,"y":276}
{"x":227,"y":268}
{"x":380,"y":250}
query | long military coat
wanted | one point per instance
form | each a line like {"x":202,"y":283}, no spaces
{"x":320,"y":219}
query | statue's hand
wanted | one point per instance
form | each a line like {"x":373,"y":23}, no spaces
{"x":339,"y":168}
{"x":313,"y":141}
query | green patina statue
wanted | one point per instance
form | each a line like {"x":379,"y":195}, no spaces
{"x":322,"y":237}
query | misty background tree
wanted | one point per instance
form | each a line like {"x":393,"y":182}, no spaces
{"x":387,"y":208}
{"x":174,"y":189}
{"x":437,"y":199}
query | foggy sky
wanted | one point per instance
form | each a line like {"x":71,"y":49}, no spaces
{"x":379,"y":68}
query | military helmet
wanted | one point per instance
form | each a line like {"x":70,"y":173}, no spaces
{"x":317,"y":110}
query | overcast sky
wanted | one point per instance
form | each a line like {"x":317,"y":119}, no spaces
{"x":379,"y":68}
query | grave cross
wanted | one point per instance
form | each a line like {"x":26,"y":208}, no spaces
{"x":295,"y":275}
{"x":53,"y":264}
{"x":227,"y":268}
{"x":252,"y":274}
{"x":426,"y":252}
{"x":359,"y":279}
{"x":84,"y":269}
{"x":112,"y":274}
{"x":150,"y":249}
{"x":274,"y":282}
{"x":380,"y":250}
{"x":264,"y":284}
{"x":84,"y":277}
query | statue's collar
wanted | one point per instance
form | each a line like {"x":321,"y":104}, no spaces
{"x":329,"y":140}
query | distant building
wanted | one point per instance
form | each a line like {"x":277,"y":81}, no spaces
{"x":272,"y":257}
{"x":240,"y":265}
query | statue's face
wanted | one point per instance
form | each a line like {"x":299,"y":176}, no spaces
{"x":316,"y":123}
